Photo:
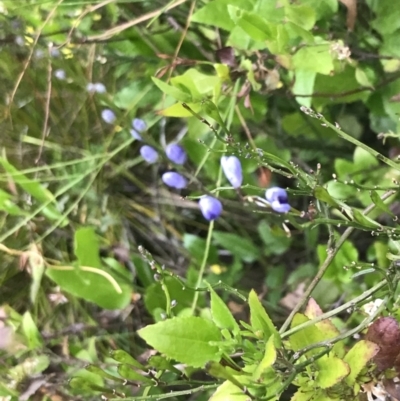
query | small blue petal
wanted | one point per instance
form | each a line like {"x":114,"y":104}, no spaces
{"x":211,"y":208}
{"x":135,"y":135}
{"x":96,"y":87}
{"x":108,"y":116}
{"x":174,"y":180}
{"x":276,"y":193}
{"x":99,"y":87}
{"x":55,"y":52}
{"x":280,"y":207}
{"x":139,"y":125}
{"x":149,"y":154}
{"x":233,"y":170}
{"x":176,"y":153}
{"x":60,"y":74}
{"x":278,"y":199}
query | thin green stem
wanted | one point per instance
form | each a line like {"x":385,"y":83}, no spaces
{"x":203,"y":265}
{"x":336,"y":311}
{"x":331,"y":255}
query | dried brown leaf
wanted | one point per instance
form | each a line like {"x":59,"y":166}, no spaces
{"x":351,"y":13}
{"x":385,"y":332}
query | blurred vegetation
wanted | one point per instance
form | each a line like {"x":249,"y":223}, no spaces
{"x":100,"y":262}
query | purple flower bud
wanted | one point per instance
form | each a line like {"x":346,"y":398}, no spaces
{"x":233,"y":170}
{"x":149,"y":154}
{"x":96,"y":87}
{"x":210,"y":207}
{"x":60,"y":74}
{"x":108,"y":116}
{"x":55,"y":52}
{"x":139,"y":125}
{"x":135,"y":135}
{"x":174,"y":180}
{"x":176,"y":153}
{"x":278,"y":199}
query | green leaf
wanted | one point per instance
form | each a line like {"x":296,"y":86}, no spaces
{"x":331,"y":370}
{"x":172,"y":91}
{"x":221,"y":372}
{"x":275,"y":239}
{"x":380,"y":203}
{"x":237,"y":245}
{"x":185,"y":339}
{"x":228,"y":391}
{"x":127,"y":372}
{"x":221,"y":314}
{"x":316,"y":58}
{"x":323,"y":195}
{"x":123,"y":357}
{"x":196,"y":82}
{"x":304,"y":85}
{"x":177,"y":110}
{"x":362,"y":78}
{"x":212,"y":111}
{"x":100,"y":372}
{"x":154,"y":298}
{"x":260,"y":321}
{"x":31,"y":332}
{"x":159,"y":362}
{"x":214,"y":13}
{"x":256,"y":26}
{"x":87,"y":247}
{"x":82,"y":384}
{"x":8,"y":206}
{"x":301,"y":15}
{"x":358,"y":357}
{"x":268,"y":359}
{"x":326,"y":326}
{"x":107,"y":288}
{"x":302,"y":395}
{"x":36,"y":190}
{"x":363,"y":159}
{"x":306,"y":336}
{"x":366,"y":221}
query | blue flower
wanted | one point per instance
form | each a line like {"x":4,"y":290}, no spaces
{"x":139,"y":126}
{"x":174,"y":180}
{"x":60,"y":74}
{"x":108,"y":116}
{"x":211,"y":208}
{"x":233,"y":170}
{"x":278,"y":199}
{"x":176,"y":153}
{"x":96,"y":87}
{"x":149,"y":154}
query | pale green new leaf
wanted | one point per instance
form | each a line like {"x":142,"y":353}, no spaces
{"x":221,"y":314}
{"x":267,"y":360}
{"x":331,"y":370}
{"x":358,"y":357}
{"x":185,"y":339}
{"x":260,"y":321}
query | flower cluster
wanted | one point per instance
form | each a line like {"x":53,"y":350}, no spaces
{"x":96,"y":87}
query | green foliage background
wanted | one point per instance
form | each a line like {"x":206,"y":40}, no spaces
{"x":97,"y":255}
